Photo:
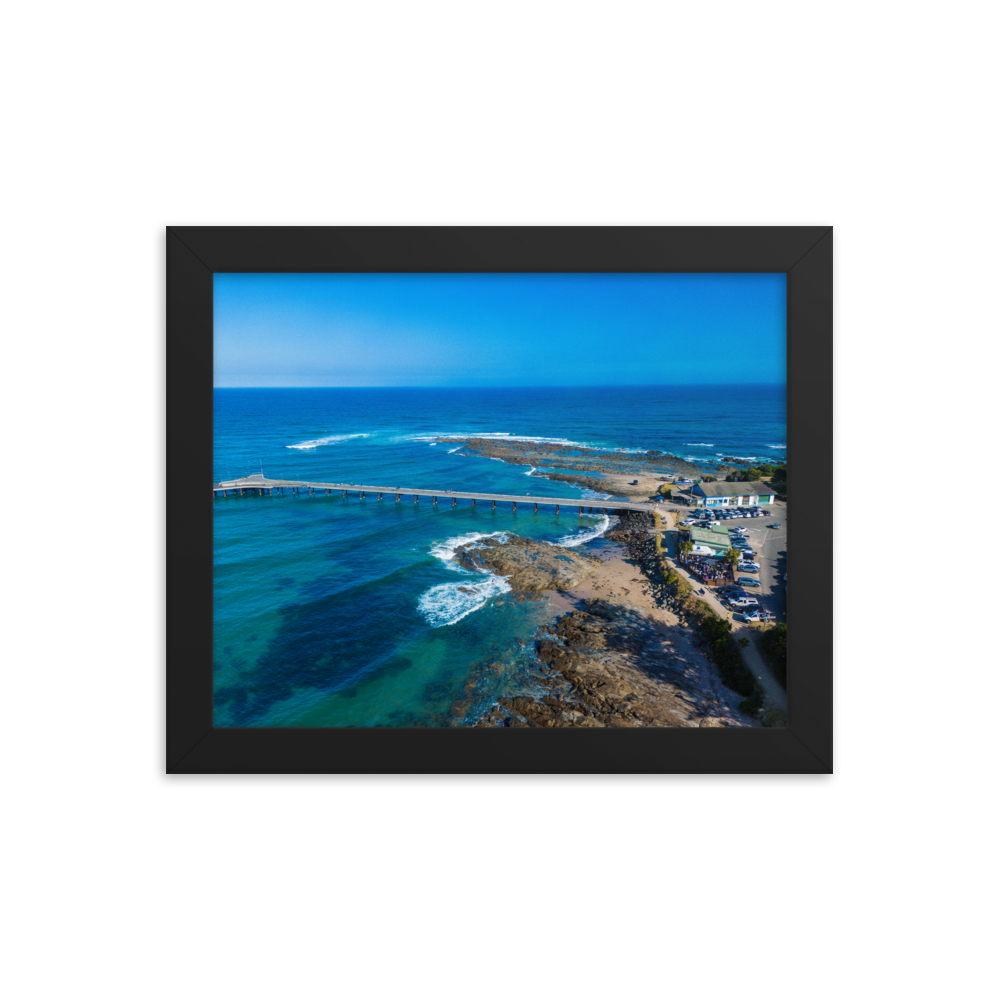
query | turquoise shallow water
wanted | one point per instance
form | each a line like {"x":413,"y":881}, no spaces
{"x":351,"y":613}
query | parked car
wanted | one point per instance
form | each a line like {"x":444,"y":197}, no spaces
{"x":749,"y":567}
{"x":775,"y":525}
{"x":747,"y":581}
{"x":752,"y":616}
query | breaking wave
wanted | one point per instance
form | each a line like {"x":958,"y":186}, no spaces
{"x":445,"y":551}
{"x":588,"y":494}
{"x":319,"y":442}
{"x":448,"y":603}
{"x":586,"y":534}
{"x":780,"y":447}
{"x":502,"y":436}
{"x":698,"y":444}
{"x":451,"y":451}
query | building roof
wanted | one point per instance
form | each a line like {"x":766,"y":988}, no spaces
{"x":710,"y":537}
{"x":735,"y":489}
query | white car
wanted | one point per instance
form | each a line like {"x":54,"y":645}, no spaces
{"x":749,"y":567}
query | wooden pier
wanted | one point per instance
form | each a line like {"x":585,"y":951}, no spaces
{"x":259,"y":484}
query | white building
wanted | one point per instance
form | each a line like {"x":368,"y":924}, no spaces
{"x":732,"y":494}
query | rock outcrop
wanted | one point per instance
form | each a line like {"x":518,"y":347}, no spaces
{"x":529,"y":566}
{"x":609,"y":666}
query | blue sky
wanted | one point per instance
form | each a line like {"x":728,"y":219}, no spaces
{"x":498,"y":329}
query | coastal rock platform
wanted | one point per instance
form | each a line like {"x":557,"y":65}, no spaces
{"x":611,"y":666}
{"x":529,"y":566}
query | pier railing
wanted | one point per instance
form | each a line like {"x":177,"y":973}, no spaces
{"x":262,"y":485}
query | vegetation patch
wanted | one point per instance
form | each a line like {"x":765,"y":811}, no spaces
{"x":736,"y":675}
{"x":773,"y":645}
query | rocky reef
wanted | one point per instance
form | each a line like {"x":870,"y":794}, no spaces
{"x":529,"y":566}
{"x":578,"y":457}
{"x":608,"y":666}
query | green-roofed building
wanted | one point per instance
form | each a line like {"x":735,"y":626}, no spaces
{"x":712,"y":541}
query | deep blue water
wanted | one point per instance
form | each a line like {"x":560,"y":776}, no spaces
{"x":334,"y":613}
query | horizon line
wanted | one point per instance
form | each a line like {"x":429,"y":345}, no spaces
{"x":582,"y":385}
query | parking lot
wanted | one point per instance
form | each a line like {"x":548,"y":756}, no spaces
{"x":770,"y":548}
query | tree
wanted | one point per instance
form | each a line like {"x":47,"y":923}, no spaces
{"x":743,"y":641}
{"x":686,"y":546}
{"x":732,"y":557}
{"x":709,"y":479}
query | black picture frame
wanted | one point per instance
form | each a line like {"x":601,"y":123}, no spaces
{"x":196,"y":253}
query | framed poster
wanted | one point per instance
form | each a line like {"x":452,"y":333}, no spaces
{"x":197,"y":744}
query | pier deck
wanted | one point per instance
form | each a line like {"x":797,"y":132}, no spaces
{"x":261,"y":484}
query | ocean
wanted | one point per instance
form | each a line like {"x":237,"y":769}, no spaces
{"x":351,"y":613}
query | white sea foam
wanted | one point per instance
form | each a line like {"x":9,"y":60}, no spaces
{"x":448,"y":603}
{"x":319,"y":442}
{"x":698,"y":444}
{"x":586,"y":534}
{"x":780,"y":447}
{"x":445,"y":551}
{"x":451,"y":451}
{"x":594,"y":495}
{"x":433,"y":444}
{"x":530,"y":471}
{"x":502,"y":436}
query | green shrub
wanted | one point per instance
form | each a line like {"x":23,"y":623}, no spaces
{"x":774,"y":645}
{"x":735,"y":673}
